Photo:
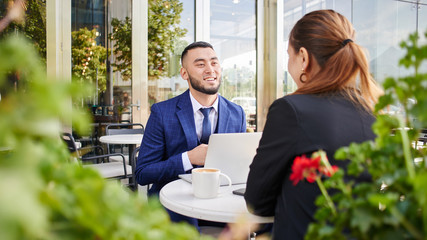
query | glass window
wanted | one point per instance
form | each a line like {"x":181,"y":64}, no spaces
{"x":118,"y":93}
{"x":422,"y":28}
{"x":101,"y":55}
{"x":170,"y":30}
{"x":233,"y":35}
{"x":102,"y":52}
{"x":380,"y":27}
{"x":295,"y":10}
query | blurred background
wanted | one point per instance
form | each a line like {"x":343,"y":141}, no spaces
{"x":129,"y":50}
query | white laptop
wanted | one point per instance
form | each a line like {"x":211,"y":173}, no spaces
{"x":232,"y":153}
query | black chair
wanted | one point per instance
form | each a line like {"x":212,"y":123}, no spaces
{"x":109,"y":170}
{"x":133,"y":185}
{"x":124,"y":128}
{"x":85,"y":141}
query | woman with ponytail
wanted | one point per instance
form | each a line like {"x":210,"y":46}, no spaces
{"x":331,"y":108}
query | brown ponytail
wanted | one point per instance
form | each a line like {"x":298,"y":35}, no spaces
{"x":328,"y":37}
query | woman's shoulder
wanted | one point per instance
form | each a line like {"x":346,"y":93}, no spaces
{"x":325,"y":102}
{"x":313,"y":101}
{"x":299,"y":98}
{"x":307,"y":96}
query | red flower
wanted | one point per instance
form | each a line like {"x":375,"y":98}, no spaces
{"x":304,"y":167}
{"x":311,"y":168}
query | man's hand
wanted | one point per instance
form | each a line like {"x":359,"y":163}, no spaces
{"x":197,"y":156}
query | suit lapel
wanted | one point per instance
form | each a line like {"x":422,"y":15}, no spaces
{"x":186,"y":118}
{"x":223,"y":115}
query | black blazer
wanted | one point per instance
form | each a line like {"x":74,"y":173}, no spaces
{"x":296,"y":125}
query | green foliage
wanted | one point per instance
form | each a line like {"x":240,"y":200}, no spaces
{"x":43,"y":194}
{"x":163,"y":34}
{"x":394,"y":204}
{"x":89,"y":58}
{"x":33,"y":27}
{"x":122,"y":37}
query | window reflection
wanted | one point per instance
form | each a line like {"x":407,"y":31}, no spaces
{"x":382,"y":34}
{"x":380,"y":27}
{"x":107,"y":26}
{"x":422,"y":28}
{"x":101,"y":55}
{"x":295,"y":10}
{"x":170,"y":30}
{"x":233,"y":35}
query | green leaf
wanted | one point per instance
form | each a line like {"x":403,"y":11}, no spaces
{"x":363,"y":220}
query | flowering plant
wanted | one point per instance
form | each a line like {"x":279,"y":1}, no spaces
{"x":393,"y":205}
{"x":312,"y":170}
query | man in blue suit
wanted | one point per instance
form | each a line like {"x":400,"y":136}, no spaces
{"x":174,"y":140}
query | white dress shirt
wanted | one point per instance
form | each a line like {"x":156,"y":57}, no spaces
{"x":198,"y":120}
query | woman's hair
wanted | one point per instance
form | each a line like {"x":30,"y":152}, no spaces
{"x":328,"y":37}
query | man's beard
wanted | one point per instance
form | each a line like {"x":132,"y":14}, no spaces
{"x":198,"y":87}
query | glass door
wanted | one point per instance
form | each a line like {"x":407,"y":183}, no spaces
{"x":101,"y":57}
{"x":170,"y":30}
{"x":233,"y":35}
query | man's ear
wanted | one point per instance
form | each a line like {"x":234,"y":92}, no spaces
{"x":305,"y":60}
{"x":183,"y":73}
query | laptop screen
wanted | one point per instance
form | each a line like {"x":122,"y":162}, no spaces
{"x":232,"y":153}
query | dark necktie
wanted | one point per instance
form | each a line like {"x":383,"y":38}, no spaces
{"x":206,"y":129}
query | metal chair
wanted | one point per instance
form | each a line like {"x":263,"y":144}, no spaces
{"x":85,"y":141}
{"x":109,"y":170}
{"x":124,"y":128}
{"x":133,"y":185}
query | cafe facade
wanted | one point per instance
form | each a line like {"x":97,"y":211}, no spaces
{"x":140,"y":59}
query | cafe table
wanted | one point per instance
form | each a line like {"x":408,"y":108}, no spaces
{"x":227,"y":207}
{"x":129,"y":139}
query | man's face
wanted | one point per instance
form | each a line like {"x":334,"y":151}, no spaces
{"x":202,"y":70}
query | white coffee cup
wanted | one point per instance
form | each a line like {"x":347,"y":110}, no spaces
{"x":206,"y":182}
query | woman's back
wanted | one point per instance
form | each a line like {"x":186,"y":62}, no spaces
{"x":298,"y":125}
{"x":330,"y":121}
{"x":330,"y":109}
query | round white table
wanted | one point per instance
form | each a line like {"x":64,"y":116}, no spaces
{"x":131,"y":140}
{"x":178,"y":196}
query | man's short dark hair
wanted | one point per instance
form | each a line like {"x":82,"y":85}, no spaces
{"x":199,"y":44}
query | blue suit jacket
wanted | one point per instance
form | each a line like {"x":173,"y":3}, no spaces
{"x":170,"y":131}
